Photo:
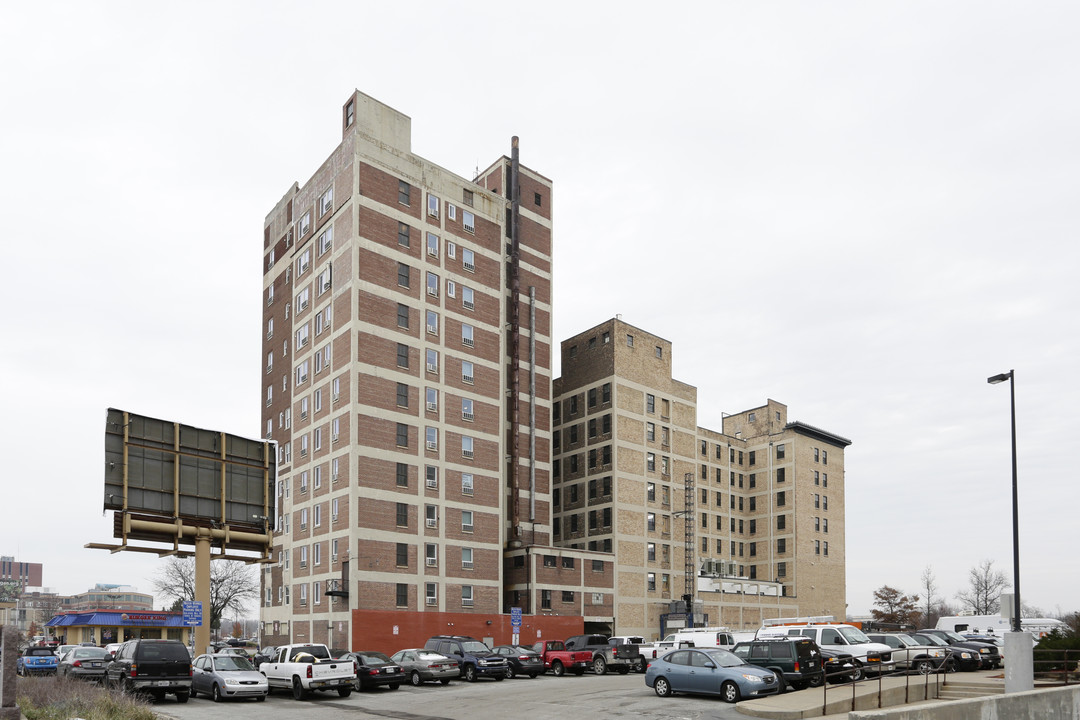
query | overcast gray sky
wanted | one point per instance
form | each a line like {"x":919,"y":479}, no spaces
{"x":862,"y":210}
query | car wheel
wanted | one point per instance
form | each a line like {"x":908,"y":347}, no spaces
{"x":415,"y":679}
{"x":261,"y":698}
{"x":924,"y":667}
{"x":662,"y":687}
{"x":857,"y":672}
{"x":782,"y":686}
{"x":445,"y":681}
{"x":194,"y":693}
{"x":182,"y":697}
{"x":817,"y":680}
{"x":640,"y":665}
{"x":469,"y":673}
{"x":510,"y":672}
{"x":215,"y":693}
{"x":557,"y":669}
{"x":623,"y":669}
{"x":950,"y":666}
{"x":345,"y":691}
{"x":729,"y":691}
{"x":298,"y":691}
{"x":599,"y":665}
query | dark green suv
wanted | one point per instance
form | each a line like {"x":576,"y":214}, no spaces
{"x":796,"y":661}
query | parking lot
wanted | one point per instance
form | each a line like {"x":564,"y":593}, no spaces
{"x":608,"y":696}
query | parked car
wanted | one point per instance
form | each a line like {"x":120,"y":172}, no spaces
{"x":62,"y":650}
{"x":474,"y":657}
{"x":911,"y":655}
{"x":709,"y":671}
{"x":36,"y":660}
{"x":113,"y":648}
{"x":225,"y":675}
{"x":87,"y":663}
{"x":374,"y":669}
{"x":155,"y":667}
{"x":959,"y":658}
{"x":421,"y":665}
{"x":520,"y":660}
{"x":796,"y":661}
{"x":304,"y":668}
{"x":263,"y":655}
{"x":839,"y":667}
{"x":989,"y":656}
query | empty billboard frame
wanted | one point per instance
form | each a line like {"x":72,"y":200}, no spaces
{"x":171,"y":482}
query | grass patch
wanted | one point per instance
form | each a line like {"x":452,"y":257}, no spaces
{"x":61,"y":698}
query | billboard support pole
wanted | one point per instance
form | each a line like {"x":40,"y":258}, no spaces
{"x":202,"y":591}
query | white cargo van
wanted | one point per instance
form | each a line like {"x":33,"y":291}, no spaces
{"x":710,"y":637}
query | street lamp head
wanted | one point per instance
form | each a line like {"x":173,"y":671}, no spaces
{"x":999,"y":378}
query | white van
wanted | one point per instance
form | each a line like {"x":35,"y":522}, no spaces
{"x":998,"y":626}
{"x":869,"y":656}
{"x":711,"y":637}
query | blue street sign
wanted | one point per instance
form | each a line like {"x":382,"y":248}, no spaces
{"x":192,"y":613}
{"x":515,"y":616}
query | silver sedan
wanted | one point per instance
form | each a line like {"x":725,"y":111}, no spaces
{"x":422,"y":665}
{"x":221,"y":676}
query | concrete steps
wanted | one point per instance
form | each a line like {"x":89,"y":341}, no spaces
{"x":959,"y":690}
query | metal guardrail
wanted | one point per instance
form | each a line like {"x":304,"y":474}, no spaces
{"x":1057,"y":665}
{"x":939,"y":675}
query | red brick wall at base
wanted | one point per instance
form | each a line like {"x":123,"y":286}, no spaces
{"x":374,"y":629}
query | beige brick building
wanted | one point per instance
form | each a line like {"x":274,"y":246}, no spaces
{"x":765,"y":519}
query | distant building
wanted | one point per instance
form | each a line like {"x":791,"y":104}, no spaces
{"x":111,"y":597}
{"x":24,"y":573}
{"x":764,"y":516}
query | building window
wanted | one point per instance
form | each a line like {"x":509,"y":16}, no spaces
{"x":402,"y":555}
{"x":467,"y":197}
{"x":468,"y":221}
{"x":650,"y":404}
{"x":466,"y":447}
{"x":326,"y":201}
{"x":466,"y":558}
{"x":468,"y":259}
{"x":432,"y":206}
{"x":825,"y":546}
{"x":781,"y":546}
{"x":650,"y":432}
{"x":402,"y":395}
{"x":402,"y":599}
{"x":780,"y":451}
{"x":466,"y":409}
{"x":432,"y":244}
{"x":402,"y":435}
{"x":402,"y":475}
{"x":650,"y":492}
{"x":431,"y":399}
{"x":403,"y":234}
{"x":431,"y":596}
{"x":402,"y":355}
{"x":629,"y":341}
{"x":817,"y":547}
{"x":432,"y":322}
{"x":781,"y":475}
{"x":403,"y":316}
{"x":650,"y":462}
{"x":467,"y":298}
{"x":780,"y":499}
{"x":466,"y":484}
{"x":650,"y":551}
{"x":431,"y":438}
{"x":402,"y":515}
{"x":467,"y":372}
{"x":403,"y":275}
{"x":403,"y":192}
{"x":468,"y":335}
{"x":350,"y":113}
{"x":650,"y":522}
{"x":466,"y":521}
{"x":650,"y":581}
{"x":781,"y":522}
{"x":659,"y":352}
{"x":545,"y":599}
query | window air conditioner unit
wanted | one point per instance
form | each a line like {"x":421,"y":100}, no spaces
{"x":432,"y":445}
{"x":431,"y":562}
{"x":432,"y":601}
{"x":466,"y":565}
{"x":432,"y":522}
{"x":431,"y":367}
{"x":432,"y":406}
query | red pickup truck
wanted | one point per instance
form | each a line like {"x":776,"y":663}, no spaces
{"x":559,"y":660}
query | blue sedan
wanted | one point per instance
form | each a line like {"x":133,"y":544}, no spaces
{"x":708,"y":671}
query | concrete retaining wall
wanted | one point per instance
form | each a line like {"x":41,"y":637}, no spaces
{"x":1050,"y":704}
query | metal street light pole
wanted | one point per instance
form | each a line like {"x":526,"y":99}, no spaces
{"x":1015,"y":510}
{"x":1019,"y":667}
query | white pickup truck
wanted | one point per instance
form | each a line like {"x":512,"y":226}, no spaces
{"x":303,"y":668}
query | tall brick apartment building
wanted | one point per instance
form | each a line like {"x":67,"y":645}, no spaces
{"x":407,"y":382}
{"x":765,"y":517}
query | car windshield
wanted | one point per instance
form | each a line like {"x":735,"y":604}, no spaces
{"x":231,"y":663}
{"x":87,"y":652}
{"x":723,"y":658}
{"x":428,"y":655}
{"x":475,"y":646}
{"x":40,"y":651}
{"x":930,"y":640}
{"x":905,"y":639}
{"x":524,"y":650}
{"x":854,"y":636}
{"x":955,"y":637}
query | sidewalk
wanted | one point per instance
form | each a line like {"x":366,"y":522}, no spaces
{"x":835,"y":701}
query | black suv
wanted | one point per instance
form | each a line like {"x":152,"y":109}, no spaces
{"x":474,"y":657}
{"x":796,"y":661}
{"x":154,"y":667}
{"x":989,"y":654}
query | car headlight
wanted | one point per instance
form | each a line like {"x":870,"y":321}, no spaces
{"x":966,"y":656}
{"x":752,"y":678}
{"x":936,"y":653}
{"x":231,"y":681}
{"x":985,"y":650}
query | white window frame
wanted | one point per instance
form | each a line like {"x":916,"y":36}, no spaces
{"x":468,"y":221}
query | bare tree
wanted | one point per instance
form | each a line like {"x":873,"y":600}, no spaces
{"x":232,"y":585}
{"x":895,"y":607}
{"x":930,"y":597}
{"x":985,"y":585}
{"x":10,"y":591}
